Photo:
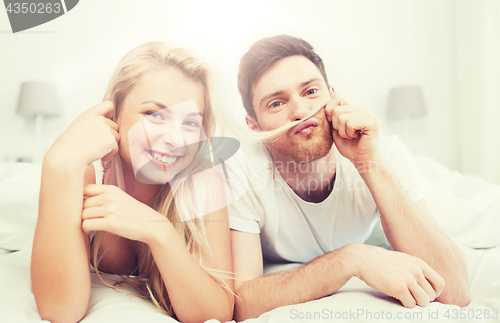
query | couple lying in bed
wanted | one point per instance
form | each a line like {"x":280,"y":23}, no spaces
{"x":160,"y":217}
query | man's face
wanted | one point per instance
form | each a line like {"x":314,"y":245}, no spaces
{"x":286,"y":92}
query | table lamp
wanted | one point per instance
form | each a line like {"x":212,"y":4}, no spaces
{"x":38,"y":100}
{"x":406,"y":102}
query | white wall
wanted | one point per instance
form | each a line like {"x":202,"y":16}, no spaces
{"x":478,"y":86}
{"x":368,"y":47}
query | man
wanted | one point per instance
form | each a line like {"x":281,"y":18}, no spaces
{"x":317,"y":190}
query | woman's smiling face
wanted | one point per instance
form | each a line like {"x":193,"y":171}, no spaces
{"x":160,"y":124}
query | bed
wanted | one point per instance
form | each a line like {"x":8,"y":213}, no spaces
{"x":467,"y":207}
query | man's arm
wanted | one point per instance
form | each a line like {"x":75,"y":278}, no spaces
{"x":257,"y":294}
{"x":411,"y":228}
{"x":396,"y":274}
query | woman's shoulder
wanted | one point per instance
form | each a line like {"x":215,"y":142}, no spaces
{"x":206,"y":194}
{"x":210,"y":178}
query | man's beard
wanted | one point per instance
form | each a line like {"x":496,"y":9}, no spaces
{"x":316,"y":145}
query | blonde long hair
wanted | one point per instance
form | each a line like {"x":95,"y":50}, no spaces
{"x":189,"y":198}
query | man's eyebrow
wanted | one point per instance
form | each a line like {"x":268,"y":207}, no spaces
{"x":270,"y":95}
{"x":162,"y":106}
{"x":303,"y":84}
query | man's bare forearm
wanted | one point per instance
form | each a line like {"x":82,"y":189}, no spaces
{"x":315,"y":279}
{"x":410,"y":228}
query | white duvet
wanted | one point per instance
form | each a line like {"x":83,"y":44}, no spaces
{"x":467,"y":208}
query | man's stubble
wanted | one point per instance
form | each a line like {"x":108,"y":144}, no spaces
{"x":290,"y":147}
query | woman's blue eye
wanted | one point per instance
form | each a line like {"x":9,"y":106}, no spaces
{"x":311,"y":91}
{"x":192,"y":123}
{"x":155,"y":115}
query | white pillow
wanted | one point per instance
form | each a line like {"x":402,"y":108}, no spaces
{"x":465,"y":206}
{"x":19,"y":190}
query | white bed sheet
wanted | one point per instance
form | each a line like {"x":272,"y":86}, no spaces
{"x":17,"y":303}
{"x":467,"y":207}
{"x":351,"y":303}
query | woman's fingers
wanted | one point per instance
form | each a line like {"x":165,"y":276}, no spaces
{"x":105,"y":108}
{"x":92,"y":213}
{"x":114,"y":146}
{"x":94,"y":224}
{"x":94,"y":189}
{"x":116,"y":135}
{"x":92,"y":201}
{"x":113,"y":125}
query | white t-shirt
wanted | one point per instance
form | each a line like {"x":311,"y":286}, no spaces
{"x":293,"y":230}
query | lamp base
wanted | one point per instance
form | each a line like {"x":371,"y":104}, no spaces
{"x":38,"y":139}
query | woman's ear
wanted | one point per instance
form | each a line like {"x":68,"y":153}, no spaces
{"x":332,"y":90}
{"x":251,"y":123}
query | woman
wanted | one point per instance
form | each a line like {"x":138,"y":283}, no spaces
{"x":149,"y":132}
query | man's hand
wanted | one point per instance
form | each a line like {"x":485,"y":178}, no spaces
{"x":354,"y":130}
{"x":406,"y":278}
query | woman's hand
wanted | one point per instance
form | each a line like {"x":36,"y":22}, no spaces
{"x":108,"y":208}
{"x":90,"y":137}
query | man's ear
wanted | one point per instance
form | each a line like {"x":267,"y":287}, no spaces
{"x":251,"y":123}
{"x":332,"y":90}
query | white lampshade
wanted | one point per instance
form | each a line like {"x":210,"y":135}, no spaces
{"x":407,"y":101}
{"x":38,"y":98}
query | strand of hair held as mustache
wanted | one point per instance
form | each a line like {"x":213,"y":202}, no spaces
{"x":245,"y":134}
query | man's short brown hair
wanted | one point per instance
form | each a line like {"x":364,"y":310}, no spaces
{"x":265,"y":53}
